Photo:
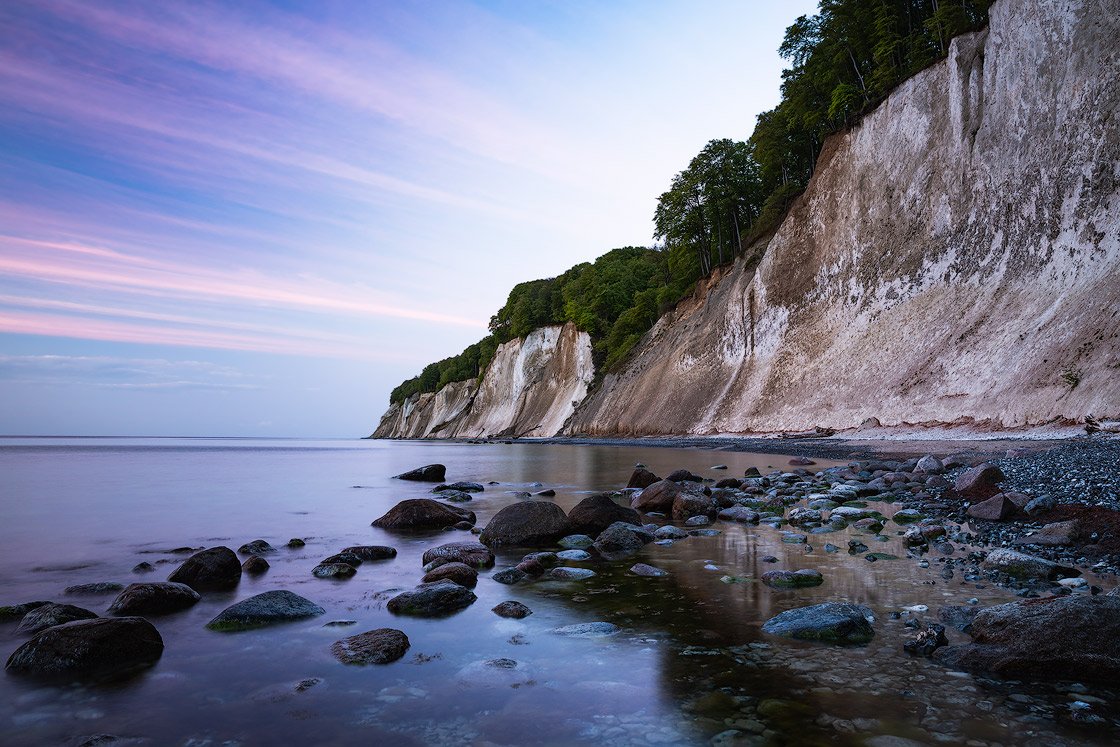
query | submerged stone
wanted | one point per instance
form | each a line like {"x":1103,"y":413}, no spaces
{"x":587,"y":630}
{"x":269,"y":608}
{"x":432,"y":600}
{"x":831,"y":622}
{"x":381,"y":646}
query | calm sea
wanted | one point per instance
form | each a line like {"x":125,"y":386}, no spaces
{"x":689,"y":663}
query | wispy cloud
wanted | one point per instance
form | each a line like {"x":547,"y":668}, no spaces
{"x":107,"y":372}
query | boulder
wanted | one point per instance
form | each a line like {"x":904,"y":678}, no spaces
{"x":348,"y":558}
{"x":739,"y":513}
{"x":683,"y":475}
{"x":803,"y":578}
{"x":832,"y":622}
{"x":979,"y":483}
{"x":670,"y":532}
{"x":597,"y":512}
{"x":563,"y":573}
{"x":513,"y":575}
{"x":460,"y":573}
{"x":928,"y":640}
{"x":254,"y":565}
{"x":801,"y":516}
{"x":513,"y":609}
{"x":215,"y":569}
{"x":419,"y":514}
{"x":371,"y":552}
{"x":256,"y":547}
{"x":688,"y":505}
{"x":587,"y":630}
{"x":51,"y":614}
{"x":1026,"y":567}
{"x":1058,"y":534}
{"x":334,"y":570}
{"x":642,"y":478}
{"x":106,"y":647}
{"x":102,"y":587}
{"x":462,"y":486}
{"x":160,"y":598}
{"x":648,"y":571}
{"x":473,"y":554}
{"x":930,"y":464}
{"x":733,"y":483}
{"x":1050,"y":639}
{"x":1039,"y":505}
{"x":427,"y":473}
{"x":996,"y":508}
{"x":269,"y":608}
{"x":577,"y":541}
{"x":456,"y":496}
{"x":17,"y":611}
{"x":619,"y":540}
{"x":432,"y":600}
{"x":657,"y":497}
{"x":528,"y":524}
{"x":381,"y":646}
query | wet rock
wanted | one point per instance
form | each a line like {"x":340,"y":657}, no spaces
{"x":576,"y":555}
{"x":979,"y":483}
{"x":832,"y":622}
{"x":215,"y":569}
{"x":704,"y":533}
{"x":1026,"y":567}
{"x":529,"y":524}
{"x":511,"y":575}
{"x":683,"y":475}
{"x":649,"y":571}
{"x":256,"y":547}
{"x":295,"y":543}
{"x":334,"y":570}
{"x":463,"y":485}
{"x":513,"y":609}
{"x":657,"y":497}
{"x":869,"y":525}
{"x":17,"y":611}
{"x":697,"y":521}
{"x":906,"y":516}
{"x":474,"y":554}
{"x":103,"y":587}
{"x":958,"y":617}
{"x":619,"y":541}
{"x":51,"y":614}
{"x":547,"y":493}
{"x":855,"y":547}
{"x":576,"y":541}
{"x":1054,"y":638}
{"x":801,"y":516}
{"x":460,"y":573}
{"x":803,"y":578}
{"x":563,"y":573}
{"x":160,"y":598}
{"x":801,"y":462}
{"x":1058,"y":534}
{"x":419,"y":514}
{"x":144,"y":567}
{"x":255,"y":565}
{"x":597,"y":512}
{"x":793,"y":538}
{"x":456,"y":496}
{"x":670,"y":532}
{"x":262,"y":610}
{"x":642,"y":478}
{"x":381,"y":646}
{"x":930,"y":464}
{"x":996,"y":508}
{"x":730,"y":482}
{"x":432,"y":600}
{"x":371,"y":552}
{"x":741,"y":514}
{"x":587,"y":630}
{"x":928,"y":640}
{"x":1040,"y":505}
{"x":96,"y":648}
{"x":428,"y":473}
{"x":348,"y":558}
{"x":851,"y":513}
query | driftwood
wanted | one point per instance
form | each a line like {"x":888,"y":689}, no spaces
{"x":817,"y":432}
{"x":1092,"y":425}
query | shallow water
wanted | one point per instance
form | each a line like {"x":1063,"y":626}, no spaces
{"x":689,"y":664}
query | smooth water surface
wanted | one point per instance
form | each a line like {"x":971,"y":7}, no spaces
{"x":689,"y":664}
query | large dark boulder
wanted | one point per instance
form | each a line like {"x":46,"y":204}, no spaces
{"x":687,"y":505}
{"x":381,"y":646}
{"x":1053,"y":638}
{"x":460,"y":573}
{"x":17,"y":611}
{"x":265,"y":609}
{"x":419,"y":514}
{"x":526,"y":524}
{"x":620,"y":540}
{"x":831,"y":622}
{"x":427,"y":473}
{"x":657,"y":497}
{"x":158,"y":598}
{"x":683,"y":475}
{"x":597,"y":512}
{"x":51,"y":614}
{"x":89,"y":649}
{"x":215,"y":569}
{"x":432,"y":600}
{"x":979,"y":483}
{"x":642,"y":478}
{"x":996,"y":508}
{"x":371,"y":552}
{"x":473,"y":554}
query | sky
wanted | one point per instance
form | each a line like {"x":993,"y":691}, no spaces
{"x":257,"y":218}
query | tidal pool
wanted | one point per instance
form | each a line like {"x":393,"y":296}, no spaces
{"x":689,"y":664}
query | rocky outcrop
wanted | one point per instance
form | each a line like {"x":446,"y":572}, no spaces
{"x":955,"y":259}
{"x":529,"y":389}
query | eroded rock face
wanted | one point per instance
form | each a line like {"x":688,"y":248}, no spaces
{"x":215,"y":569}
{"x":420,"y":514}
{"x":1054,"y":638}
{"x":89,"y":649}
{"x":527,"y":524}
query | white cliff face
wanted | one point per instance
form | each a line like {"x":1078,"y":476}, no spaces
{"x":530,"y":389}
{"x":956,"y":258}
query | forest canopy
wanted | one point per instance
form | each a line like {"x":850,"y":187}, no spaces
{"x":842,"y":62}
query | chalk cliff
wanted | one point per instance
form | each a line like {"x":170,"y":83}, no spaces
{"x":955,"y":258}
{"x":530,"y":388}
